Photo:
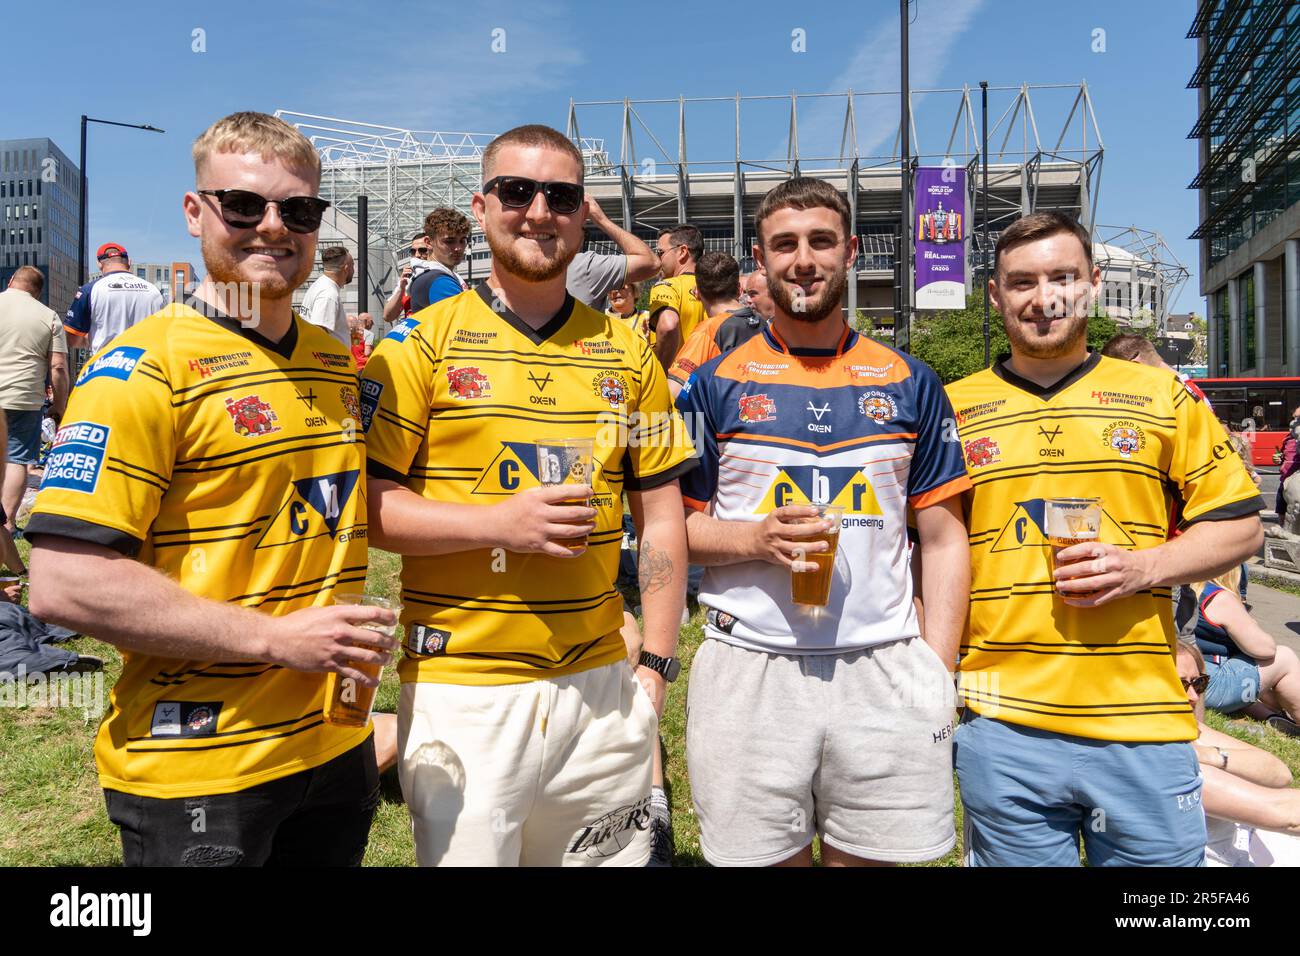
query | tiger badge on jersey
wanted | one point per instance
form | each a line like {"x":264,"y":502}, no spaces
{"x":1124,"y":437}
{"x":468,"y":382}
{"x":879,"y":406}
{"x":757,"y":408}
{"x":252,"y":417}
{"x":611,"y":387}
{"x":981,"y":452}
{"x":351,"y":404}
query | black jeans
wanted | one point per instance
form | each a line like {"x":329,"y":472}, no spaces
{"x":317,"y":817}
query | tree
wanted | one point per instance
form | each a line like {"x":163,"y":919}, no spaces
{"x":951,"y":341}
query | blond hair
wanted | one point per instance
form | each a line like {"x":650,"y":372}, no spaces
{"x":261,"y":133}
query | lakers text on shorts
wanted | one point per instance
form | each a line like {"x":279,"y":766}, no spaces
{"x":542,"y":773}
{"x":856,"y":747}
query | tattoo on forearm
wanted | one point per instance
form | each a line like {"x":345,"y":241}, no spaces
{"x":654,"y":568}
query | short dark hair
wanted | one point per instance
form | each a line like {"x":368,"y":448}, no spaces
{"x":1129,"y":347}
{"x":445,"y":220}
{"x":533,"y":134}
{"x":332,"y":256}
{"x":803,"y":192}
{"x":717,"y":276}
{"x":684,"y":234}
{"x":29,"y":278}
{"x":1040,"y":225}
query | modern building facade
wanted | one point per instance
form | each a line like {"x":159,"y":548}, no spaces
{"x":39,"y":194}
{"x":1248,"y":83}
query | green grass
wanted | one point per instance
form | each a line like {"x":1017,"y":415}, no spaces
{"x":52,"y":810}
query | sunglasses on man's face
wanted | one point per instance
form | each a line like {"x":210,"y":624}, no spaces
{"x":244,"y":210}
{"x":420,"y":251}
{"x":1198,"y":684}
{"x":517,"y":192}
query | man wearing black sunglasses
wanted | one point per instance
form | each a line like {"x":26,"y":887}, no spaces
{"x":525,"y":737}
{"x":203,"y":502}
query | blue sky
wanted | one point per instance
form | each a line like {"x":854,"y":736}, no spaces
{"x":432,"y":66}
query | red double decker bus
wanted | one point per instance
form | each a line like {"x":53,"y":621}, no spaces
{"x":1259,"y":408}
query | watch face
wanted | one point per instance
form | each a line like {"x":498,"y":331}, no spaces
{"x":674,"y":668}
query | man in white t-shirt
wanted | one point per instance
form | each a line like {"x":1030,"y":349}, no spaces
{"x":110,"y":304}
{"x":323,"y":303}
{"x":32,"y":349}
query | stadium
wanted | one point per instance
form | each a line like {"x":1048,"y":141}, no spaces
{"x":710,"y":160}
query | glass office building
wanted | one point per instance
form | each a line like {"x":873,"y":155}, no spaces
{"x":1248,"y":125}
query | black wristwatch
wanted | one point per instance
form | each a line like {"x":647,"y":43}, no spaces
{"x":666,"y":667}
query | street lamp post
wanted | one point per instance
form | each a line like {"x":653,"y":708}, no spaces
{"x":984,"y":203}
{"x":81,"y":199}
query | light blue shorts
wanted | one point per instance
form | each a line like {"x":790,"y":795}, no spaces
{"x":1234,"y":684}
{"x":1029,"y":796}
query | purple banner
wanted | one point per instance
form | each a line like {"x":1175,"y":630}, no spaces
{"x":940,"y":224}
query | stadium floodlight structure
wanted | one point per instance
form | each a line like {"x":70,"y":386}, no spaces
{"x":653,"y":183}
{"x":1139,"y":274}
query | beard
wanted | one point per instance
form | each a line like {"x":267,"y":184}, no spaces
{"x":1055,"y":343}
{"x":790,"y":300}
{"x":225,"y":269}
{"x":541,"y":269}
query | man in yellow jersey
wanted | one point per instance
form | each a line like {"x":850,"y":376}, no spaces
{"x":203,"y":500}
{"x":675,"y":306}
{"x":524,"y":737}
{"x":1077,"y":726}
{"x":729,"y":323}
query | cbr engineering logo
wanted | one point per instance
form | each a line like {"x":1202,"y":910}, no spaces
{"x":1026,"y":528}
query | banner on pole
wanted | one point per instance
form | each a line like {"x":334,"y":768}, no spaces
{"x":940,"y":219}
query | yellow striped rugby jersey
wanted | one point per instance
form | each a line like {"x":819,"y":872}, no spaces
{"x":454,"y":399}
{"x":1135,"y":437}
{"x":233,"y":465}
{"x":681,"y":295}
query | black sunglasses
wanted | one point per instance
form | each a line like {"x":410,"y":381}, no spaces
{"x":1197,"y":683}
{"x":244,"y":210}
{"x":517,"y":192}
{"x":420,"y":250}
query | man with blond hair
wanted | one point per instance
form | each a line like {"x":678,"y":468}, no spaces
{"x":525,"y":738}
{"x":201,"y":506}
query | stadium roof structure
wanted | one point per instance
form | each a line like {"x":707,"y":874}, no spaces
{"x":404,"y":172}
{"x":1139,"y":272}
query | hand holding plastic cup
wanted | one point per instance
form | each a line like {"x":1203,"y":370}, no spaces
{"x":1071,"y":521}
{"x":810,"y":584}
{"x":567,"y":461}
{"x":348,"y":702}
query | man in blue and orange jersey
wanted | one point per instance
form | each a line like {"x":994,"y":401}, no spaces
{"x":837,"y":719}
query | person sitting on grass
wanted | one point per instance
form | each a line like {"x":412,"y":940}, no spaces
{"x":1252,"y":815}
{"x":1248,"y":670}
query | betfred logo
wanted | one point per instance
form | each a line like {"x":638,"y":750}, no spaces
{"x":115,"y":363}
{"x":76,"y":457}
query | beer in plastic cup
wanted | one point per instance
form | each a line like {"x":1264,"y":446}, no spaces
{"x":567,"y":461}
{"x":813,"y":587}
{"x":1071,"y":521}
{"x":346,"y":701}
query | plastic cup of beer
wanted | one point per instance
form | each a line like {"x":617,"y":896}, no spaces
{"x":348,"y":702}
{"x":1071,"y":521}
{"x":567,"y":461}
{"x":812,"y":587}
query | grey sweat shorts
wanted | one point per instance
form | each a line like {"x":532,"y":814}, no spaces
{"x":856,"y":747}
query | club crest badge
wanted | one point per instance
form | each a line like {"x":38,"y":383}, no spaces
{"x":1124,"y":437}
{"x":467,"y":382}
{"x":610,"y":387}
{"x":351,"y":404}
{"x":252,"y":417}
{"x":757,"y":408}
{"x":981,"y":452}
{"x":879,"y":406}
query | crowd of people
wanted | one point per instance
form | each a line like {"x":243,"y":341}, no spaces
{"x":221,"y":471}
